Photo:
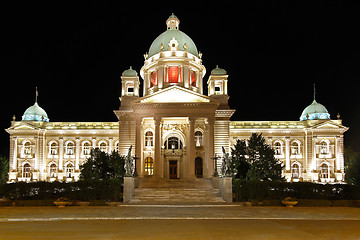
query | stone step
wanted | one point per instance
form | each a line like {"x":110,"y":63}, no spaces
{"x":186,"y":191}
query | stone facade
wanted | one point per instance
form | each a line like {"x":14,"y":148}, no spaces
{"x":173,"y":127}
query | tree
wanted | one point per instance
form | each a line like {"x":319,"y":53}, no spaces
{"x":4,"y":169}
{"x":255,"y":160}
{"x":240,"y":165}
{"x":352,"y":166}
{"x":101,"y":166}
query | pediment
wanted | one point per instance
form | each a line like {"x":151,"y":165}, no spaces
{"x":329,"y":125}
{"x":175,"y":94}
{"x":23,"y":126}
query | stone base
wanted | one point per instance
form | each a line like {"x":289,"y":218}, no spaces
{"x":226,"y":189}
{"x":129,"y":187}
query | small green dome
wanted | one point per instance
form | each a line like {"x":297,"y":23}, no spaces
{"x":163,"y":40}
{"x":129,"y":73}
{"x":218,"y":71}
{"x":35,"y":113}
{"x":314,"y":111}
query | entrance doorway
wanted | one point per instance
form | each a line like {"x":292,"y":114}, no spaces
{"x":198,"y":167}
{"x":172,"y":169}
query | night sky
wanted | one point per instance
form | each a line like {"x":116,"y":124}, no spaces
{"x":273,"y":51}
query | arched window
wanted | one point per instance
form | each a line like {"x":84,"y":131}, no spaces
{"x":103,"y":146}
{"x":295,"y":171}
{"x":27,"y":148}
{"x":149,"y":166}
{"x":26,"y":170}
{"x":53,"y":148}
{"x":278,"y":148}
{"x":69,"y":170}
{"x":193,"y":78}
{"x":69,"y":148}
{"x":86,"y":149}
{"x":149,"y":139}
{"x":153,"y":78}
{"x":324,"y":171}
{"x":116,"y":146}
{"x":324,"y":147}
{"x":173,"y":143}
{"x":198,"y":139}
{"x":53,"y":170}
{"x":295,"y":148}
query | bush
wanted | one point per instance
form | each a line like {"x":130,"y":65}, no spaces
{"x":260,"y":190}
{"x":107,"y":190}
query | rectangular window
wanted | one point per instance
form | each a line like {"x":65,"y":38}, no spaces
{"x":153,"y":79}
{"x":173,"y":74}
{"x":193,"y":78}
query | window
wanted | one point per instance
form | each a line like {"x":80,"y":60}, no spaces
{"x":278,"y":148}
{"x":69,"y":149}
{"x":69,"y":170}
{"x":26,"y":171}
{"x":149,"y":139}
{"x":53,"y":148}
{"x":198,"y":139}
{"x":149,"y":166}
{"x":103,"y":147}
{"x":153,"y":78}
{"x":174,"y":74}
{"x":193,"y":78}
{"x":173,"y":143}
{"x":27,"y":148}
{"x":295,"y":148}
{"x":86,"y":148}
{"x":295,"y":171}
{"x":53,"y":170}
{"x":324,"y":147}
{"x":324,"y":171}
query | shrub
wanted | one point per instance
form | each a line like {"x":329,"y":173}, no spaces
{"x":260,"y":190}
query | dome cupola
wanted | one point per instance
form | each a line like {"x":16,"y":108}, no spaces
{"x":314,"y":111}
{"x":35,"y":113}
{"x":173,"y":59}
{"x":129,"y":72}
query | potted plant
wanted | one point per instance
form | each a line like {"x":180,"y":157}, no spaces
{"x":289,"y":202}
{"x":62,"y":202}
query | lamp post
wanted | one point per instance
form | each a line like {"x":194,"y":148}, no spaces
{"x":135,"y":171}
{"x":216,"y":174}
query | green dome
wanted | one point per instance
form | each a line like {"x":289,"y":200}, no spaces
{"x":315,"y":111}
{"x":218,"y":71}
{"x":173,"y":32}
{"x":129,"y":73}
{"x":35,"y":113}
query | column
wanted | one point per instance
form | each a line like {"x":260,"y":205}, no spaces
{"x":111,"y":147}
{"x":157,"y":140}
{"x":287,"y":153}
{"x":138,"y":144}
{"x":77,"y":153}
{"x":210,"y":145}
{"x":36,"y":158}
{"x":191,"y":147}
{"x":61,"y":153}
{"x":14,"y":146}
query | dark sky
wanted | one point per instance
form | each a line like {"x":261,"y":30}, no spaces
{"x":273,"y":52}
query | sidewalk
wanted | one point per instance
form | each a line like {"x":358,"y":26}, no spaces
{"x":164,"y":212}
{"x":179,"y":222}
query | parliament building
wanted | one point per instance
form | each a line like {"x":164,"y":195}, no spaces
{"x":175,"y":129}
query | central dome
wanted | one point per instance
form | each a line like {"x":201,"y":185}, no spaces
{"x":162,"y":42}
{"x":315,"y":111}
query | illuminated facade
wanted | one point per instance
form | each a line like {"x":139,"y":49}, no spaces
{"x":175,"y":129}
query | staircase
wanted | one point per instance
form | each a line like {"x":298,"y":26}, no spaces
{"x":176,"y":191}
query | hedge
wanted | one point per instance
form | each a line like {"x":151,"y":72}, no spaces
{"x":260,"y":190}
{"x":108,"y":190}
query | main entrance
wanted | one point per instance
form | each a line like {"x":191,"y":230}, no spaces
{"x":172,"y":169}
{"x":198,"y":167}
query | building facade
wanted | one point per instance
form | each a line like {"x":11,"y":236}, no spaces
{"x":174,"y":128}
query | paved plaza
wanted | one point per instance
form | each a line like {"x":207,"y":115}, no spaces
{"x":179,"y":222}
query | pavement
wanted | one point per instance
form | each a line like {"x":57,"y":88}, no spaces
{"x":179,"y":222}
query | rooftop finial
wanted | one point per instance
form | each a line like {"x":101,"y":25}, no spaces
{"x":314,"y":91}
{"x":36,"y":95}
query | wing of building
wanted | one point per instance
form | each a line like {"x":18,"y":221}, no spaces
{"x":174,"y":128}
